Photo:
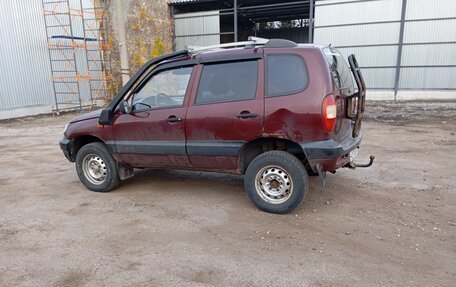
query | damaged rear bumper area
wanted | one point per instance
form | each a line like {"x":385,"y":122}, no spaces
{"x":330,"y":149}
{"x":329,"y":155}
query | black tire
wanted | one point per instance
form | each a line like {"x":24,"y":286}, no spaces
{"x":276,"y":181}
{"x":96,"y":167}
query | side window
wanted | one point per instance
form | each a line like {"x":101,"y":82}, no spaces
{"x":164,"y":89}
{"x":339,"y":69}
{"x":285,"y":75}
{"x":227,"y":82}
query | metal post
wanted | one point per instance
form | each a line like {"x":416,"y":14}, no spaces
{"x":50,"y":59}
{"x":120,"y":22}
{"x":311,"y":15}
{"x":85,"y":35}
{"x":174,"y":27}
{"x":399,"y":49}
{"x":235,"y":20}
{"x":74,"y":57}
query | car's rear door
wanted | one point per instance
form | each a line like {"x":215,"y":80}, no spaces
{"x":225,"y":112}
{"x":343,"y":90}
{"x":153,"y":134}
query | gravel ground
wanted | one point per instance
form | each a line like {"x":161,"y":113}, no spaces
{"x":401,"y":113}
{"x":393,"y":224}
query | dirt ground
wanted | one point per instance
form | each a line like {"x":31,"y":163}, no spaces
{"x":393,"y":224}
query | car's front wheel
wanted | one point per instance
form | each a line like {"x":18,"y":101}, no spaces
{"x":96,"y":167}
{"x":276,"y":181}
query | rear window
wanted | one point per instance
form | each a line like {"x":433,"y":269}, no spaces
{"x":339,"y":69}
{"x":286,"y":75}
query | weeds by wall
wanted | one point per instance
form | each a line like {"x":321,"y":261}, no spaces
{"x":149,"y":31}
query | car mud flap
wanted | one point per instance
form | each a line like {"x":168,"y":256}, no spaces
{"x":321,"y":174}
{"x":125,"y":172}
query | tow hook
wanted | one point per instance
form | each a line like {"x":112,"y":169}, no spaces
{"x":355,"y":165}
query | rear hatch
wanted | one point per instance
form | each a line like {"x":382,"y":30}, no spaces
{"x":350,"y":100}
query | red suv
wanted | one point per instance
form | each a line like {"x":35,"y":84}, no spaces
{"x":275,"y":112}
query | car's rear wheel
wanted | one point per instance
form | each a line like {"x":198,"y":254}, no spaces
{"x":276,"y":181}
{"x":96,"y":167}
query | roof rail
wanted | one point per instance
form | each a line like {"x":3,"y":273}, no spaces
{"x":252,"y":41}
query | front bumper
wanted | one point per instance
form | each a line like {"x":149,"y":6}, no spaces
{"x":66,"y":146}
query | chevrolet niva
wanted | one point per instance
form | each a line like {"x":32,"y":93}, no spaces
{"x":274,"y":112}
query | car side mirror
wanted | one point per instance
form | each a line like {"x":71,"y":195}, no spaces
{"x":125,"y":107}
{"x":106,"y":117}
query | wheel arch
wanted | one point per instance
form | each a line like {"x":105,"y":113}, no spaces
{"x":81,"y":141}
{"x":254,"y":148}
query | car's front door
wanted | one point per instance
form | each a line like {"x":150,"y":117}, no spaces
{"x":225,"y":112}
{"x":153,"y":134}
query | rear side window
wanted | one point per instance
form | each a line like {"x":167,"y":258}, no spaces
{"x":227,"y":82}
{"x":339,"y":69}
{"x":286,"y":75}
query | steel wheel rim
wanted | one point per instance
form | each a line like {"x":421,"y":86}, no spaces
{"x":95,"y":169}
{"x":273,"y":184}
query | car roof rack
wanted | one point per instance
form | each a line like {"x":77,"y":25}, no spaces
{"x":250,"y":43}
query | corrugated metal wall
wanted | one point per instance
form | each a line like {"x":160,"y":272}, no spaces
{"x":371,"y":30}
{"x":368,"y":31}
{"x":197,"y":29}
{"x":429,"y":52}
{"x":25,"y":75}
{"x":25,"y":67}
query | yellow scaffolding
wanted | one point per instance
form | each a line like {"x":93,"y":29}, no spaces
{"x":79,"y":53}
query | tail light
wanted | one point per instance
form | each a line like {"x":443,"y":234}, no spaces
{"x":329,"y":110}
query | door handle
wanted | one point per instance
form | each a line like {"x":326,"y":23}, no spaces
{"x":245,"y":115}
{"x":173,"y":119}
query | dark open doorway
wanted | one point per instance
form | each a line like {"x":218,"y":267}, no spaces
{"x":198,"y":22}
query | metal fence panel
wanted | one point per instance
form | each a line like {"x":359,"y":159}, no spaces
{"x":359,"y":28}
{"x":430,"y":64}
{"x":428,"y":78}
{"x":429,"y":55}
{"x":199,"y":41}
{"x":357,"y":35}
{"x":426,"y":9}
{"x":430,"y":31}
{"x":197,"y":29}
{"x":379,"y":78}
{"x":424,"y":59}
{"x":25,"y":75}
{"x":349,"y":12}
{"x":332,"y":2}
{"x":373,"y":56}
